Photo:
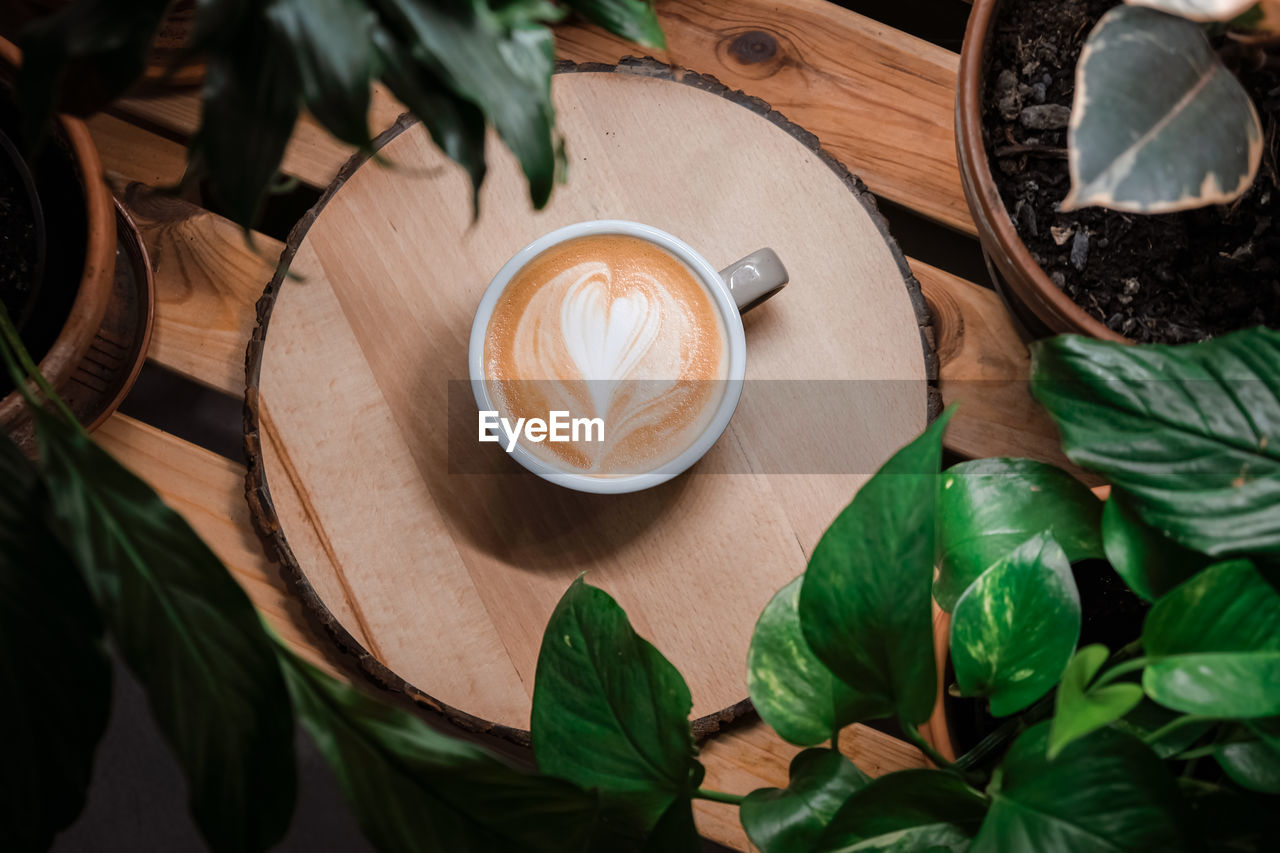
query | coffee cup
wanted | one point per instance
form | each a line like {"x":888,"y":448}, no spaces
{"x":624,"y":330}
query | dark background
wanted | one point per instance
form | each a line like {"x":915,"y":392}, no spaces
{"x":137,"y":801}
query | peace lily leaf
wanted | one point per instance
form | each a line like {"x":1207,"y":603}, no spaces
{"x":1189,"y":434}
{"x":864,"y":601}
{"x":778,"y":820}
{"x":504,"y":70}
{"x":251,"y":98}
{"x":55,"y":680}
{"x":414,"y":789}
{"x":457,"y":126}
{"x":330,"y":41}
{"x":791,"y":689}
{"x":1255,"y":764}
{"x":1079,"y":710}
{"x":989,"y":507}
{"x":1216,"y":644}
{"x":1016,"y":626}
{"x":188,"y":632}
{"x":1150,"y":564}
{"x":1104,"y":792}
{"x":101,"y":44}
{"x":610,"y":712}
{"x":1159,"y":123}
{"x":906,"y":811}
{"x":1199,"y":10}
{"x":632,"y":19}
{"x":675,"y":831}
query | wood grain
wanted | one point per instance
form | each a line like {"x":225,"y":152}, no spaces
{"x":880,"y":100}
{"x":451,"y":576}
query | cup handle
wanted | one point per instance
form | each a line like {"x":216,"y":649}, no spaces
{"x":755,"y":278}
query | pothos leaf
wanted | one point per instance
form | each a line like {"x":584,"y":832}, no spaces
{"x":1190,"y":435}
{"x":792,"y":690}
{"x":906,"y":811}
{"x":610,"y":712}
{"x":988,"y":507}
{"x":1150,"y":564}
{"x":56,"y":681}
{"x":1016,"y":626}
{"x":864,"y":602}
{"x":780,"y":820}
{"x":1254,"y":763}
{"x":414,"y":790}
{"x":1159,"y":123}
{"x":1079,"y":710}
{"x":331,"y":45}
{"x":187,"y":631}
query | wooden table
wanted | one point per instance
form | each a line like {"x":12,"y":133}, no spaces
{"x":879,"y":100}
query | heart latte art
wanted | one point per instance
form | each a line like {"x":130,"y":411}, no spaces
{"x":614,"y":327}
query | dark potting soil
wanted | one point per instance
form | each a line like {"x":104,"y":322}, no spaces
{"x":1111,"y":615}
{"x":17,"y":239}
{"x":1170,"y":278}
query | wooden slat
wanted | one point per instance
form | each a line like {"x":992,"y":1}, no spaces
{"x":208,"y":281}
{"x":209,"y":493}
{"x":880,"y":101}
{"x":137,"y":154}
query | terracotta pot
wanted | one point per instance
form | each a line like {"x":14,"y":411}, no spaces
{"x":937,"y":730}
{"x":93,"y":289}
{"x":1033,"y":299}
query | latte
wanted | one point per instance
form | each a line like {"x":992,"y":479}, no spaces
{"x":614,"y":327}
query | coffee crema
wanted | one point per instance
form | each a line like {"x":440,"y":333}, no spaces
{"x":615,"y":327}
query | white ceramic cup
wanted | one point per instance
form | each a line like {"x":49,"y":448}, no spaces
{"x":735,"y":289}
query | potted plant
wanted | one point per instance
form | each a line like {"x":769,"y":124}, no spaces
{"x":59,"y":227}
{"x":1167,"y":742}
{"x":1119,"y":163}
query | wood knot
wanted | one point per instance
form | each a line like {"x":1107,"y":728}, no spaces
{"x":753,"y":46}
{"x":755,"y":54}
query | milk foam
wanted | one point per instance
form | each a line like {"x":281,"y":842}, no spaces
{"x":614,"y":327}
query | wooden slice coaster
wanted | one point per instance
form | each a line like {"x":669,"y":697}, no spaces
{"x":441,"y":580}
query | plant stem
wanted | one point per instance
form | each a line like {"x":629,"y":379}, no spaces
{"x":1121,"y":669}
{"x":11,"y":346}
{"x":718,"y":796}
{"x":924,"y":746}
{"x":1189,"y":719}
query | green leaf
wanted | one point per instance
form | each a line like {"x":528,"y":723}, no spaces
{"x":780,"y":820}
{"x":1189,"y":434}
{"x":505,"y":70}
{"x":1079,"y":710}
{"x":790,"y":688}
{"x":251,"y":102}
{"x":989,"y":507}
{"x":330,"y":43}
{"x":1105,"y":792}
{"x":864,"y":602}
{"x":906,"y":811}
{"x":1016,"y":626}
{"x":1255,"y":764}
{"x":84,"y":56}
{"x":1215,"y":641}
{"x":188,"y":632}
{"x":1159,"y":123}
{"x":1148,"y":718}
{"x":55,"y":678}
{"x":675,"y":831}
{"x":634,"y":20}
{"x":457,"y":126}
{"x":414,"y":789}
{"x":610,"y":712}
{"x":1150,"y":564}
